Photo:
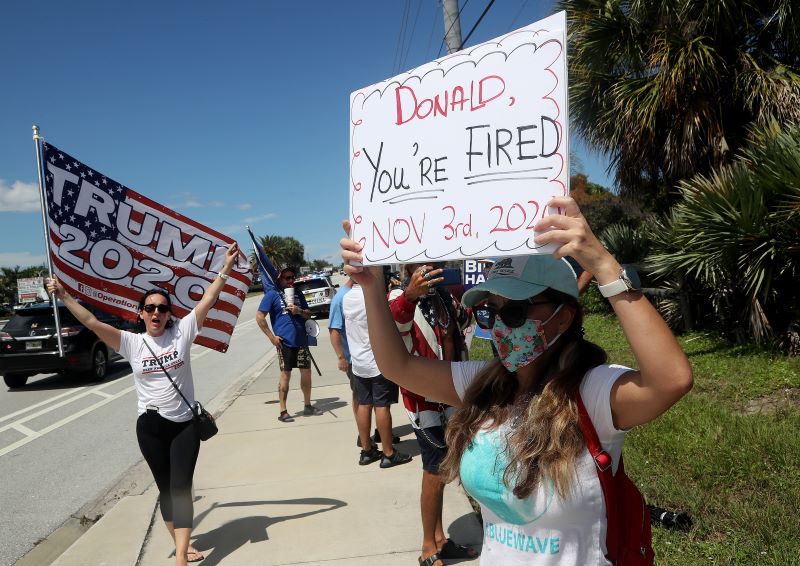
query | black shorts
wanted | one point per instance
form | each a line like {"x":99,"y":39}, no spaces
{"x":432,"y":447}
{"x":373,"y":390}
{"x":289,"y":358}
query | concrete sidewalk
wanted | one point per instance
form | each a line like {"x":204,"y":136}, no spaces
{"x":268,"y":492}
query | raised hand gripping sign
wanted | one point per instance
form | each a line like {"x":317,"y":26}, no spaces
{"x":459,"y":157}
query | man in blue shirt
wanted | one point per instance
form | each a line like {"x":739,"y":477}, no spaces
{"x":288,"y":335}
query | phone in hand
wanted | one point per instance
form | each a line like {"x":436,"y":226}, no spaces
{"x":450,"y":276}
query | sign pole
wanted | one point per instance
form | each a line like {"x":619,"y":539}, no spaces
{"x":43,"y":202}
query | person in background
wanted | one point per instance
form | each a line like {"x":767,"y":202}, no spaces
{"x":167,"y":436}
{"x":432,"y":323}
{"x":288,"y":335}
{"x":372,"y":389}
{"x":515,"y":442}
{"x":338,"y":336}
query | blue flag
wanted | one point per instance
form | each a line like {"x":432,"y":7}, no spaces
{"x":267,"y":271}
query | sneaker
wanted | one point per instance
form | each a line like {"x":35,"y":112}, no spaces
{"x":310,"y":411}
{"x":285,"y":417}
{"x":395,"y":459}
{"x":369,"y":456}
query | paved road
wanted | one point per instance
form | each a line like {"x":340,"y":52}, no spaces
{"x":64,"y":444}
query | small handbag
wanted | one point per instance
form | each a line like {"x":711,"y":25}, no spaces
{"x":203,"y":420}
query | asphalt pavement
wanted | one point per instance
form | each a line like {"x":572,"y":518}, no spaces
{"x":268,"y":492}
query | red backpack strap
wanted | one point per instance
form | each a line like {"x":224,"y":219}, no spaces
{"x":603,"y":464}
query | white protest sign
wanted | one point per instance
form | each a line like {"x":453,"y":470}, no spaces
{"x":459,"y":157}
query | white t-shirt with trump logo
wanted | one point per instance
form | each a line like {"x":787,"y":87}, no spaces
{"x":172,"y":348}
{"x":542,"y":529}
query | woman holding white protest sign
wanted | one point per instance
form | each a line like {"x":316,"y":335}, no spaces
{"x":167,"y":438}
{"x":517,"y":442}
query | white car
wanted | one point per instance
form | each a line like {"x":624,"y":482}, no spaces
{"x":318,"y":292}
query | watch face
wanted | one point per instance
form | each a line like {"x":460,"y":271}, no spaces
{"x":631,"y":278}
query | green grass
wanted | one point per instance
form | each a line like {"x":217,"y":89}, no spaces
{"x":738,"y":475}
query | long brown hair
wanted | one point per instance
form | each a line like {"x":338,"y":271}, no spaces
{"x":546,"y":438}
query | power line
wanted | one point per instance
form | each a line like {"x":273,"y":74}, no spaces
{"x":411,"y":37}
{"x":430,"y":37}
{"x":476,"y":24}
{"x":398,"y":49}
{"x":514,"y":21}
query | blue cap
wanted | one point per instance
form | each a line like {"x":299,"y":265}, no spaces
{"x":522,"y":277}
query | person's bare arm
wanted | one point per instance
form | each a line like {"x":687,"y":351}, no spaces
{"x":212,"y":292}
{"x":108,"y":334}
{"x":336,"y":342}
{"x":664,"y":374}
{"x":261,"y":320}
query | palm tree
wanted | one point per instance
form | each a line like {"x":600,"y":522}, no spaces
{"x":283,"y":251}
{"x":736,"y":233}
{"x":668,"y":88}
{"x":294,"y":252}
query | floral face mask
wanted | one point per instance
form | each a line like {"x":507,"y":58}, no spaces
{"x":519,"y":346}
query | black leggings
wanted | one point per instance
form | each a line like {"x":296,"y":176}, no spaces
{"x":170,"y":450}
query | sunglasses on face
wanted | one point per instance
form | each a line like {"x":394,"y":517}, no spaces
{"x":513,"y":313}
{"x":150,"y":308}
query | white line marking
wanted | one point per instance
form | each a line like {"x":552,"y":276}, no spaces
{"x":101,"y":393}
{"x":24,"y":430}
{"x":40,"y":403}
{"x":62,"y":422}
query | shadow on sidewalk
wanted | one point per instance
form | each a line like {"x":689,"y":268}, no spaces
{"x":323,"y":404}
{"x":227,"y":538}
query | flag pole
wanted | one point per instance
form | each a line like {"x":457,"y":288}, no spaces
{"x":281,"y":296}
{"x":37,"y":140}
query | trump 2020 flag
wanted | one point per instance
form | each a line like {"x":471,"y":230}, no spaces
{"x":109,"y":245}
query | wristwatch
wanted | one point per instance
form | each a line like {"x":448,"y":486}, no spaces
{"x":628,"y":281}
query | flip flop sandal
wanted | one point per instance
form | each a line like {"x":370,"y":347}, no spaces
{"x":430,"y":560}
{"x":198,"y":556}
{"x":451,"y":549}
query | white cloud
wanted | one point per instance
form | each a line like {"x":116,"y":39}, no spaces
{"x":19,"y":197}
{"x":259,"y":218}
{"x":239,"y":227}
{"x":190,"y":200}
{"x":22,"y":259}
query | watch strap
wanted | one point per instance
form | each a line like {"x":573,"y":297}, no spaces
{"x":614,"y":288}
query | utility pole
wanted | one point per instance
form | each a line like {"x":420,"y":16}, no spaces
{"x":452,"y":25}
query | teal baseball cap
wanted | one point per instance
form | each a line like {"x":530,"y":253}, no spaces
{"x":522,"y":277}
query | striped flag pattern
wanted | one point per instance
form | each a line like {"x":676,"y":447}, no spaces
{"x":110,"y":244}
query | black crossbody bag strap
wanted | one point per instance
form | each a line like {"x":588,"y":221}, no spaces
{"x":170,"y":378}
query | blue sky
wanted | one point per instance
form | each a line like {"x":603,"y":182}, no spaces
{"x":232,"y":113}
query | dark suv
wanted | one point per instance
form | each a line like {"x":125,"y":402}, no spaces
{"x":318,"y":292}
{"x":28,"y":345}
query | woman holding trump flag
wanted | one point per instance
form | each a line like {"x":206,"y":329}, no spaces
{"x":516,"y":441}
{"x":167,"y":438}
